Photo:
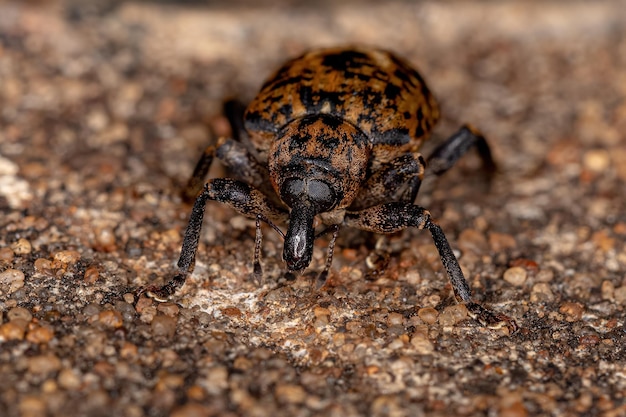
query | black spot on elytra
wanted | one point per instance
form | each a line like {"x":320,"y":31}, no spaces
{"x":392,"y":91}
{"x":344,"y":60}
{"x":357,"y":74}
{"x":286,"y":110}
{"x":281,"y":82}
{"x":256,"y":122}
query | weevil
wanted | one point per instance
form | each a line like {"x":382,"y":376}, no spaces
{"x":333,"y":135}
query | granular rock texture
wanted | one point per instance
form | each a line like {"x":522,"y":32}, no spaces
{"x":104,"y":109}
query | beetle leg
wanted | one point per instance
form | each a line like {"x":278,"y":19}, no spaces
{"x":397,"y":180}
{"x":238,"y":195}
{"x":321,"y":279}
{"x":236,"y":157}
{"x":257,"y":268}
{"x":237,"y":154}
{"x":446,"y":155}
{"x":396,"y":216}
{"x":195,"y":182}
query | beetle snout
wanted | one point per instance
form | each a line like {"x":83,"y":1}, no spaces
{"x":298,"y":249}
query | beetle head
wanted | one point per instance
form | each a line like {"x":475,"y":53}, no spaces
{"x":316,"y":165}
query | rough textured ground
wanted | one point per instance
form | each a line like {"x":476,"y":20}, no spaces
{"x":104,"y":108}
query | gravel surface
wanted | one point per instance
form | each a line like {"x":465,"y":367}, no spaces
{"x":104,"y":109}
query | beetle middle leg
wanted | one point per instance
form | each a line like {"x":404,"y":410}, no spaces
{"x":238,"y":195}
{"x":236,"y":153}
{"x":449,"y":152}
{"x":397,"y":180}
{"x":393,"y":217}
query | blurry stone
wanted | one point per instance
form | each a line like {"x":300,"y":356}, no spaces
{"x":44,"y":364}
{"x":428,"y":315}
{"x":290,"y":394}
{"x":452,"y":315}
{"x":515,"y":276}
{"x":21,"y":247}
{"x":572,"y":311}
{"x":608,"y":290}
{"x":163,"y":326}
{"x":13,"y":278}
{"x":19,"y":313}
{"x":541,"y":292}
{"x":40,"y":334}
{"x":111,"y":318}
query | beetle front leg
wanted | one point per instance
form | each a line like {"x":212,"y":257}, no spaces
{"x":238,"y":195}
{"x":396,"y":216}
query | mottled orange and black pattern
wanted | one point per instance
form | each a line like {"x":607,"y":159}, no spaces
{"x":321,"y":147}
{"x":372,"y":89}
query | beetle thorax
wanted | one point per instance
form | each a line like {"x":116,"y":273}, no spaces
{"x":320,"y":149}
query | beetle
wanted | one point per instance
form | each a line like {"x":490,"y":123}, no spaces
{"x":333,"y":135}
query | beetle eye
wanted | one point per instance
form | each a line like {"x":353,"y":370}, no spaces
{"x":320,"y":193}
{"x":291,"y":190}
{"x":317,"y":192}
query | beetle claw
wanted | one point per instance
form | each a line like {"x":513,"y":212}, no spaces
{"x":490,"y":319}
{"x":321,"y":280}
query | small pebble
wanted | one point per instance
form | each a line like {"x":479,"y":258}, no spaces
{"x":572,"y":311}
{"x":19,"y":313}
{"x":105,"y":240}
{"x":428,"y":315}
{"x":171,"y":309}
{"x":499,"y":242}
{"x":596,"y":160}
{"x":620,"y":295}
{"x":216,"y":381}
{"x":6,"y":255}
{"x":395,"y":319}
{"x":541,"y":292}
{"x":195,"y":392}
{"x":453,"y":314}
{"x":32,"y":406}
{"x":69,"y":379}
{"x":129,"y":298}
{"x":40,"y":334}
{"x":545,"y":275}
{"x":290,"y":394}
{"x":129,"y":350}
{"x":608,"y":290}
{"x":91,"y":275}
{"x":473,"y":241}
{"x":44,"y":266}
{"x":192,"y":410}
{"x":163,"y":326}
{"x":21,"y":247}
{"x":321,"y":312}
{"x":515,"y":276}
{"x":514,"y":409}
{"x":44,"y":364}
{"x":11,"y":331}
{"x":14,"y":278}
{"x":241,"y":363}
{"x":67,"y":257}
{"x":111,"y":318}
{"x":91,"y":309}
{"x":422,"y":344}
